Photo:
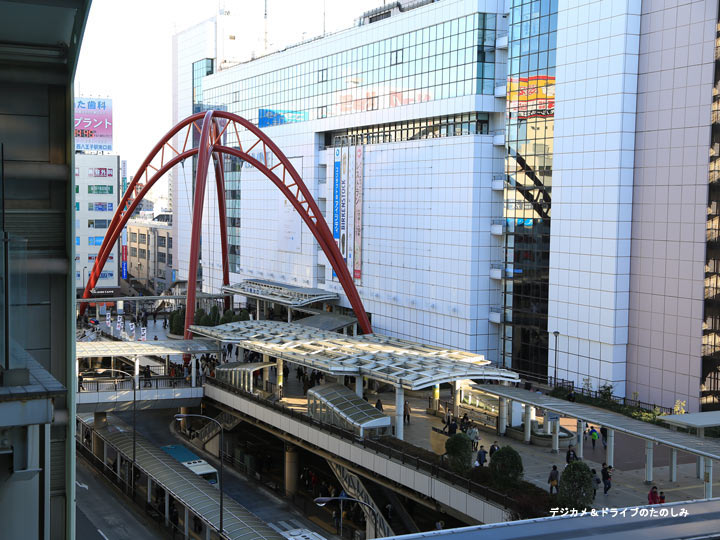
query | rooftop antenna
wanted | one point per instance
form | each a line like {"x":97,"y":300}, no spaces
{"x":266,"y":26}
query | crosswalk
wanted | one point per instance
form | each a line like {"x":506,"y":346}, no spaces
{"x":293,"y":529}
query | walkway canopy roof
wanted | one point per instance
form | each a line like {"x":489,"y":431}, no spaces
{"x":402,"y":363}
{"x":243,"y":366}
{"x":89,"y":349}
{"x":349,"y":406}
{"x":327,"y":321}
{"x":280,"y":293}
{"x":694,"y":420}
{"x":602,"y":417}
{"x":185,"y":486}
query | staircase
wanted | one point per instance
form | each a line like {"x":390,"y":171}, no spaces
{"x":401,"y":522}
{"x":211,"y":429}
{"x":355,"y":489}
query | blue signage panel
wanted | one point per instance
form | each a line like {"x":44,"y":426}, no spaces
{"x":273,"y":117}
{"x":124,"y":269}
{"x":337,"y":180}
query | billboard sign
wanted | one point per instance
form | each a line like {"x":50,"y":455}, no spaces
{"x":336,"y":198}
{"x":93,"y":124}
{"x":358,"y":215}
{"x":531,"y":97}
{"x":273,"y":117}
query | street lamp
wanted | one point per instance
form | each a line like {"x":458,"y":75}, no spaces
{"x":180,"y":417}
{"x":556,"y":334}
{"x":84,"y":272}
{"x":322,"y":501}
{"x":132,"y":378}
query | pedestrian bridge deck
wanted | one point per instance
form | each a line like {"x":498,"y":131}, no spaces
{"x":104,"y":394}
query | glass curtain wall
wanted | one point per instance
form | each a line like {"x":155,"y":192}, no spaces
{"x":532,"y":36}
{"x":710,"y":390}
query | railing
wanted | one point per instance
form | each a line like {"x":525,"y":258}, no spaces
{"x":113,"y":385}
{"x":417,"y":463}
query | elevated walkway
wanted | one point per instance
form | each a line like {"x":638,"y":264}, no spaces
{"x":105,"y":394}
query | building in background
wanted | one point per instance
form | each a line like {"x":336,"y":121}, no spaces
{"x":37,"y":359}
{"x":150,"y":245}
{"x":97,"y":192}
{"x":432,"y":138}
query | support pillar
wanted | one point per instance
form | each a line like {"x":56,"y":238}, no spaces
{"x":167,"y":365}
{"x":399,"y":403}
{"x":707,"y":480}
{"x":149,"y":489}
{"x":98,"y":446}
{"x":673,"y":465}
{"x":555,"y":436}
{"x":183,"y":421}
{"x":527,"y":424}
{"x":610,"y":450}
{"x":502,"y":416}
{"x":289,"y":314}
{"x":547,"y":428}
{"x":649,"y":451}
{"x":436,"y":397}
{"x":456,"y":398}
{"x":167,"y":508}
{"x":359,"y":386}
{"x":580,"y":443}
{"x":699,"y":463}
{"x":187,"y":521}
{"x":136,"y":378}
{"x":280,"y":377}
{"x":193,"y":363}
{"x":265,"y":371}
{"x":291,"y":470}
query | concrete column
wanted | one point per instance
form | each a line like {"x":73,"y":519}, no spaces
{"x":265,"y":371}
{"x":289,"y":314}
{"x":436,"y":397}
{"x":673,"y":464}
{"x":280,"y":377}
{"x":649,"y":451}
{"x":187,"y":522}
{"x":555,"y":436}
{"x":580,"y":434}
{"x":167,"y":508}
{"x":167,"y":365}
{"x":250,"y":381}
{"x":136,"y":381}
{"x":399,"y":402}
{"x":527,"y":424}
{"x":149,"y":489}
{"x":708,"y":478}
{"x":118,"y":462}
{"x":546,"y":423}
{"x":699,"y":462}
{"x":456,"y":398}
{"x":359,"y":386}
{"x":183,"y":421}
{"x":99,"y":421}
{"x":354,"y":329}
{"x":502,"y":416}
{"x":610,"y":450}
{"x":193,"y":371}
{"x":291,"y":470}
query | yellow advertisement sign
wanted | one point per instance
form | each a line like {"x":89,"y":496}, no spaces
{"x":529,"y":97}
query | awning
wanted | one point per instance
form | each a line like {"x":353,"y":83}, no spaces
{"x":280,"y":293}
{"x":327,"y":321}
{"x":693,"y":420}
{"x":348,"y":406}
{"x":90,"y":349}
{"x":413,"y":366}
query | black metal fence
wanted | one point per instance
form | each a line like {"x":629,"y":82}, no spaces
{"x":145,"y":383}
{"x":405,"y":458}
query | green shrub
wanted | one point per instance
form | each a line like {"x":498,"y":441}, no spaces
{"x":576,"y":489}
{"x":177,"y":322}
{"x":206,"y":320}
{"x":199,"y":314}
{"x":506,"y":467}
{"x":227,"y":316}
{"x":215,"y":315}
{"x":459,"y":453}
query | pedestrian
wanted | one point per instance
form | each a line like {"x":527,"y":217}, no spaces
{"x":80,"y":382}
{"x":603,"y":435}
{"x":606,"y":474}
{"x":165,"y":323}
{"x":482,"y":456}
{"x":237,"y":353}
{"x":154,"y":318}
{"x":570,"y":456}
{"x":155,"y":338}
{"x":661,"y":497}
{"x":452,"y":428}
{"x":379,"y":405}
{"x":439,"y":525}
{"x":595,"y":482}
{"x":653,"y":497}
{"x":472,"y":433}
{"x":554,"y":479}
{"x":494,"y":448}
{"x":571,"y":396}
{"x":388,"y":511}
{"x":593,"y":436}
{"x":406,"y":412}
{"x":336,"y":520}
{"x":464,"y":423}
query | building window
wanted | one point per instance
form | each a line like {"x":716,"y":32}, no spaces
{"x":133,"y":252}
{"x":322,"y":112}
{"x":77,"y":240}
{"x":100,"y":207}
{"x":396,"y":57}
{"x":161,"y":241}
{"x":320,"y":274}
{"x":322,"y":75}
{"x":161,"y":256}
{"x":169,"y":258}
{"x":95,"y":240}
{"x":142,"y":253}
{"x":133,"y":237}
{"x":169,"y":242}
{"x":98,"y":223}
{"x":77,"y":206}
{"x":143,"y":238}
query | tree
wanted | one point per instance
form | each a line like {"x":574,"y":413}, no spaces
{"x":206,"y":320}
{"x":227,"y":316}
{"x":177,"y":322}
{"x":506,"y":467}
{"x":576,"y":486}
{"x":199,"y":314}
{"x":459,"y":452}
{"x":215,"y":315}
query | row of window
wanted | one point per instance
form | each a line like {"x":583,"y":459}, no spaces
{"x":98,"y":223}
{"x":98,"y":206}
{"x":103,"y":275}
{"x":143,"y":254}
{"x":425,"y":128}
{"x":141,"y":238}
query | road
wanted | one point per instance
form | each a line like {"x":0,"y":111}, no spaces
{"x":103,"y":514}
{"x":154,"y":425}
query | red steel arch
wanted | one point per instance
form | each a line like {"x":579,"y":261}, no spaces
{"x":218,"y":130}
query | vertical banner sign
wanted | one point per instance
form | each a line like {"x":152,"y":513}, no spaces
{"x":120,"y":324}
{"x":350,"y":208}
{"x":132,"y":329}
{"x":143,"y":333}
{"x":358,"y":215}
{"x":108,"y":321}
{"x":123,"y":175}
{"x":343,"y":201}
{"x":336,"y":200}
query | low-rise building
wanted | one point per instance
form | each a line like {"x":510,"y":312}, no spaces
{"x":150,"y":251}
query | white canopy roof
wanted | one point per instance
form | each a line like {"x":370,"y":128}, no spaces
{"x":89,"y":349}
{"x":280,"y":293}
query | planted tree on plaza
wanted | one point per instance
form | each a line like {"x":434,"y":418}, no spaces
{"x":506,"y":467}
{"x":199,"y":314}
{"x":227,"y":317}
{"x":459,"y":453}
{"x":576,"y":486}
{"x":177,"y":320}
{"x":215,"y":315}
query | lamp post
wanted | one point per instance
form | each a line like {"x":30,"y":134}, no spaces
{"x":180,"y":417}
{"x":322,"y":501}
{"x":556,"y":334}
{"x":84,"y":272}
{"x":132,"y":378}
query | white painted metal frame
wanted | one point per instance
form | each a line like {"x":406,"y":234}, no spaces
{"x":280,"y":293}
{"x":90,"y":349}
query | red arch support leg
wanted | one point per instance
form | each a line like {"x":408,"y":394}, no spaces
{"x":222,"y":214}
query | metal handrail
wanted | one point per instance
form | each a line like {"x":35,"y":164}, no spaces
{"x":114,"y":385}
{"x":419,"y":464}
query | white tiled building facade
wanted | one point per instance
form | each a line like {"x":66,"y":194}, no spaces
{"x":97,"y":193}
{"x":467,"y":115}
